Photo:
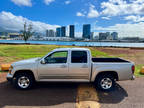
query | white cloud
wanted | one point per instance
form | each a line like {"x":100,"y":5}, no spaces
{"x":47,"y":2}
{"x":106,"y":18}
{"x":125,"y":30}
{"x":8,"y":21}
{"x":92,"y":12}
{"x":122,"y":7}
{"x":67,"y":2}
{"x":22,"y":2}
{"x":79,"y":14}
{"x":134,"y":18}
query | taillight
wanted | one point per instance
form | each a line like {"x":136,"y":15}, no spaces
{"x":133,"y":69}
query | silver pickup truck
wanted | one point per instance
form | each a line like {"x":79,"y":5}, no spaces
{"x":70,"y":65}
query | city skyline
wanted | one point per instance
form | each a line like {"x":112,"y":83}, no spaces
{"x":86,"y":33}
{"x":123,"y":16}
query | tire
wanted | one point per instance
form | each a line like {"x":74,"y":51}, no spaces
{"x":105,"y":82}
{"x":23,"y":81}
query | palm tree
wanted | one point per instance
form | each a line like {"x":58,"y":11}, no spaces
{"x":27,"y":32}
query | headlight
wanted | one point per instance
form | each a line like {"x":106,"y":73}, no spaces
{"x":10,"y":69}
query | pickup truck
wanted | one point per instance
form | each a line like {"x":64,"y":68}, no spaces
{"x":71,"y":65}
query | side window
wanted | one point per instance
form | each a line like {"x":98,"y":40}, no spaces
{"x":79,"y":57}
{"x":57,"y":57}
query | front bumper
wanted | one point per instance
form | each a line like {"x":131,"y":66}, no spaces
{"x":9,"y":77}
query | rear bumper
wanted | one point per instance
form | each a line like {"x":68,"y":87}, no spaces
{"x":133,"y":77}
{"x":9,"y":77}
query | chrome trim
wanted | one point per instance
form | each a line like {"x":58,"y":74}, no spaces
{"x":133,"y":77}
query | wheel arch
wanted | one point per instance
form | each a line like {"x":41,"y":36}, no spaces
{"x":113,"y":73}
{"x":24,"y":71}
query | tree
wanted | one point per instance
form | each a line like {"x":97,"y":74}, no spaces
{"x":27,"y":32}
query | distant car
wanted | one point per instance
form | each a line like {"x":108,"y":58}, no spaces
{"x":71,"y":65}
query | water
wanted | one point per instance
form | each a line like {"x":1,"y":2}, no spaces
{"x":113,"y":44}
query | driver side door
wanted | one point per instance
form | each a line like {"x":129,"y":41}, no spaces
{"x":55,"y":67}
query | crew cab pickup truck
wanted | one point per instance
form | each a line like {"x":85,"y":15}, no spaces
{"x":70,"y":65}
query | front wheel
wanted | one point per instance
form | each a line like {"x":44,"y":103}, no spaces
{"x":105,"y":82}
{"x":23,"y":81}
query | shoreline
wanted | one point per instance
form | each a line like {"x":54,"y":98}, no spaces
{"x":136,"y":48}
{"x":117,"y":41}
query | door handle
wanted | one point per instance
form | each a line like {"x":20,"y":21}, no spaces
{"x":63,"y":66}
{"x":84,"y":66}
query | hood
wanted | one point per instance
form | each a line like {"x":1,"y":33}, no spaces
{"x":25,"y":62}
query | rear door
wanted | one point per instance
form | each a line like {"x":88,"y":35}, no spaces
{"x":79,"y":66}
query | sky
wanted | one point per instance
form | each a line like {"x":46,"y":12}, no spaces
{"x":123,"y":16}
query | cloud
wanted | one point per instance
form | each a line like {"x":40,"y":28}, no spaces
{"x":92,"y":12}
{"x":125,"y":30}
{"x":134,"y":18}
{"x":67,"y":2}
{"x":22,"y":2}
{"x":106,"y":18}
{"x":47,"y":2}
{"x":79,"y":14}
{"x":122,"y":7}
{"x":9,"y":21}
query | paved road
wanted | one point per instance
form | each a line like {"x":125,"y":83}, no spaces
{"x":127,"y":94}
{"x":45,"y":95}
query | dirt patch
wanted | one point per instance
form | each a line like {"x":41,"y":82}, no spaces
{"x":1,"y":60}
{"x":3,"y":77}
{"x":135,"y":55}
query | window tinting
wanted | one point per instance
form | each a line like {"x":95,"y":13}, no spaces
{"x":57,"y":57}
{"x":79,"y":57}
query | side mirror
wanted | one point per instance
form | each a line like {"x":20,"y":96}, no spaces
{"x":42,"y":61}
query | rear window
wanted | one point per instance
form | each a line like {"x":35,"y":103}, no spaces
{"x":79,"y":57}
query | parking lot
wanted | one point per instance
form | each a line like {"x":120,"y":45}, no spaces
{"x":127,"y":94}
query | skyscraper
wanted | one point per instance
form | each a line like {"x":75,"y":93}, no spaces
{"x":86,"y":31}
{"x":71,"y":31}
{"x":63,"y":31}
{"x":58,"y":32}
{"x":114,"y":35}
{"x":92,"y":35}
{"x":51,"y":33}
{"x":47,"y":33}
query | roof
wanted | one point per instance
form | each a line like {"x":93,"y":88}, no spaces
{"x":60,"y":49}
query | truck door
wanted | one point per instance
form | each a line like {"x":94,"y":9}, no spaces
{"x":55,"y":67}
{"x":79,"y":67}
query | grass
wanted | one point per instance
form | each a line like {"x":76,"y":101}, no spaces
{"x":138,"y":69}
{"x":12,"y":53}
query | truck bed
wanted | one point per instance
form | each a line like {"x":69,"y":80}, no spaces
{"x":108,"y":60}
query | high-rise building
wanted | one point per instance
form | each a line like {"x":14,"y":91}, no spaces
{"x":51,"y":33}
{"x":58,"y":32}
{"x":86,"y":31}
{"x":92,"y":35}
{"x":102,"y":36}
{"x":47,"y":33}
{"x":63,"y":31}
{"x":114,"y":35}
{"x":71,"y":31}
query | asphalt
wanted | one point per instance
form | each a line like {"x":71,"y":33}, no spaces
{"x":43,"y":95}
{"x":127,"y":94}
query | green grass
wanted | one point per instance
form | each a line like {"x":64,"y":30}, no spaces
{"x":12,"y":53}
{"x":137,"y":70}
{"x":30,"y":51}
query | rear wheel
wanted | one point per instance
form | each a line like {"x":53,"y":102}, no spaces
{"x":105,"y":82}
{"x":23,"y":81}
